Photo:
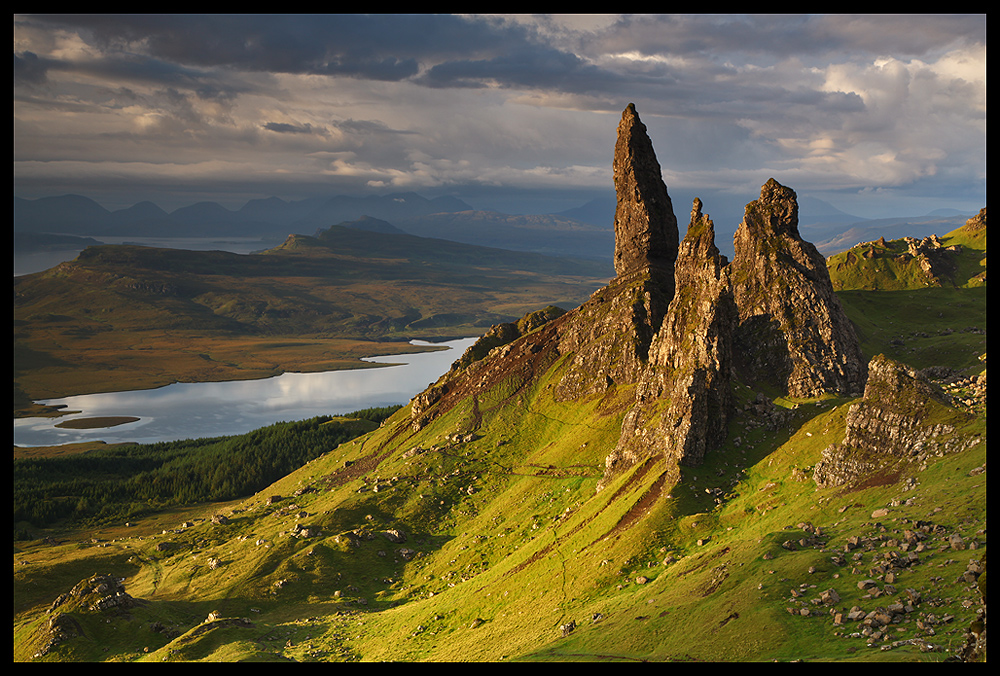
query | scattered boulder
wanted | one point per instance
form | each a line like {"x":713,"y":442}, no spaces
{"x":394,"y":535}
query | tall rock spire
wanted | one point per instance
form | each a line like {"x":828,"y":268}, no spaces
{"x":793,"y":330}
{"x":611,"y":333}
{"x":645,"y":225}
{"x":684,"y":402}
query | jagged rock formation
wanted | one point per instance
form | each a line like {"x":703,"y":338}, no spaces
{"x":793,"y":331}
{"x":664,"y":339}
{"x":932,"y":257}
{"x":695,"y":344}
{"x":685,"y":399}
{"x":902,"y":417}
{"x":613,"y":330}
{"x":645,"y":225}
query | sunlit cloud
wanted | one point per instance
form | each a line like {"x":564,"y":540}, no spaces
{"x":434,"y":102}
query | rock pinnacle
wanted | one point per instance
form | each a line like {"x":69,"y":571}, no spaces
{"x":793,"y":329}
{"x":645,"y":226}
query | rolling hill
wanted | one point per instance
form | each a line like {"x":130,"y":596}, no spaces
{"x":312,"y":303}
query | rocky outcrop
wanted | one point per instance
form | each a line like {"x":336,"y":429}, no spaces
{"x":695,"y":345}
{"x":933,"y":258}
{"x":665,"y":337}
{"x":611,"y":333}
{"x":902,"y":417}
{"x":96,"y":594}
{"x":793,"y":331}
{"x":645,"y":226}
{"x":685,"y":398}
{"x":507,"y":332}
{"x":978,"y":222}
{"x":609,"y":337}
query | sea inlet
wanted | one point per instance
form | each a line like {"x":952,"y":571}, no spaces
{"x":198,"y":410}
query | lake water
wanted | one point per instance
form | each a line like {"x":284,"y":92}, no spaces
{"x":196,"y":410}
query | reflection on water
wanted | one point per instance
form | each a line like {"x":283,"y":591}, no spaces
{"x":195,"y":410}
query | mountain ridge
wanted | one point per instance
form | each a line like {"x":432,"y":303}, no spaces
{"x":444,"y":217}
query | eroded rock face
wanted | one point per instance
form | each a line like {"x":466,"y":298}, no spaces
{"x":645,"y":226}
{"x":902,"y":417}
{"x":609,"y":336}
{"x":684,"y":400}
{"x":695,"y":344}
{"x":611,"y":333}
{"x":793,"y":331}
{"x":676,"y":323}
{"x":502,"y":334}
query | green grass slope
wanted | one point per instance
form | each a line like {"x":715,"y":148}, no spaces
{"x":480,"y":537}
{"x":902,"y":312}
{"x":960,"y":262}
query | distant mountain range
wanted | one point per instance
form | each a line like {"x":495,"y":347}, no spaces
{"x":586,"y":231}
{"x":74,"y":214}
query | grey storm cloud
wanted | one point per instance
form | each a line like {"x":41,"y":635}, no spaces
{"x":28,"y":68}
{"x":393,"y":101}
{"x":778,"y":36}
{"x":380,"y":47}
{"x":285,"y":128}
{"x":537,"y":67}
{"x":368,"y":127}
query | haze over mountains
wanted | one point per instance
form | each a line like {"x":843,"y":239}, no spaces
{"x":585,"y":231}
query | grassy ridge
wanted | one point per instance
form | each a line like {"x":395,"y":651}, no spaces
{"x":888,"y":266}
{"x":899,"y":311}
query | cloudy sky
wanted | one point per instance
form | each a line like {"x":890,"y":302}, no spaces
{"x":878,"y":114}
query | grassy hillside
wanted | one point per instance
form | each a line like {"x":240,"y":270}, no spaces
{"x":901,"y":311}
{"x":481,"y":537}
{"x":128,"y":317}
{"x":960,"y":261}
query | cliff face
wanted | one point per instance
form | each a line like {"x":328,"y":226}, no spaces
{"x":612,"y":332}
{"x":645,"y":225}
{"x":684,"y":401}
{"x":695,"y":346}
{"x":903,"y":417}
{"x":793,"y":331}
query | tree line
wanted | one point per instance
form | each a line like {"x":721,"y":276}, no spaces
{"x":125,"y":482}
